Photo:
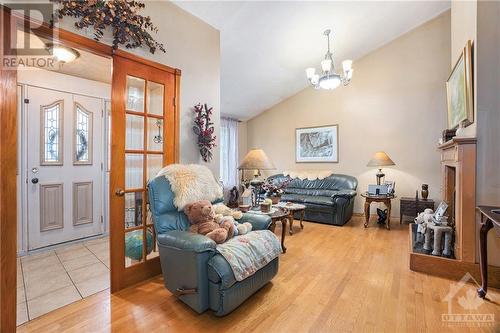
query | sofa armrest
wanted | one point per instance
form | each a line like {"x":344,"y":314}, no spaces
{"x":348,"y":194}
{"x":184,"y":240}
{"x":258,"y":221}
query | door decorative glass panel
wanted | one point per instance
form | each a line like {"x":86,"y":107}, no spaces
{"x":83,"y":136}
{"x":51,"y":134}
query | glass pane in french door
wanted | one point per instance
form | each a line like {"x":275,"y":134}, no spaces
{"x":155,"y":163}
{"x":133,"y":247}
{"x":135,"y":94}
{"x":155,"y":98}
{"x":134,"y":170}
{"x":155,"y":134}
{"x":134,"y":140}
{"x":133,"y":209}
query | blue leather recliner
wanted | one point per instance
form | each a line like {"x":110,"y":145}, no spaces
{"x":192,"y":269}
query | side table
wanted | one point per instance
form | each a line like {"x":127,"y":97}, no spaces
{"x":385,"y":199}
{"x":490,"y":218}
{"x":294,"y":208}
{"x":411,"y":207}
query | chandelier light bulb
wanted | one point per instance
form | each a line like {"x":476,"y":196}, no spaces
{"x":315,"y":79}
{"x":347,"y":65}
{"x":326,"y":65}
{"x":349,"y":74}
{"x":310,"y":72}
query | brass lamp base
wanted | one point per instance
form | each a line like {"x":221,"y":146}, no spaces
{"x":380,"y":175}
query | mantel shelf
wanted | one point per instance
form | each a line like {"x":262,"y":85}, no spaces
{"x":457,"y":141}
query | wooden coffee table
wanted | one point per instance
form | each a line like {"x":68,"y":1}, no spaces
{"x":276,"y":214}
{"x":293,"y":208}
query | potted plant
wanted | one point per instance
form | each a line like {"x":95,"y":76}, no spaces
{"x":274,"y":190}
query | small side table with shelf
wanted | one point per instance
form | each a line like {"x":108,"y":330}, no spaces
{"x":385,"y":199}
{"x":412,"y":206}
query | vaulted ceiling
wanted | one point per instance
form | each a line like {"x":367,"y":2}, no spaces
{"x":265,"y":46}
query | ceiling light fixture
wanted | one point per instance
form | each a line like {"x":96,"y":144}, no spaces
{"x":329,"y":79}
{"x":63,"y":54}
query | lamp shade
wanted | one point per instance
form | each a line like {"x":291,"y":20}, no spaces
{"x":256,"y":159}
{"x":380,"y":159}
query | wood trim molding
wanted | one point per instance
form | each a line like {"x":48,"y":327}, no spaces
{"x":131,"y":56}
{"x":177,"y":108}
{"x":8,"y":200}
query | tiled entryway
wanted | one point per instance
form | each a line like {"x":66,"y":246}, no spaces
{"x":54,"y":278}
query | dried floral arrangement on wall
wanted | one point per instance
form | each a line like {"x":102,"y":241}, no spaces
{"x":204,"y":129}
{"x":129,"y":28}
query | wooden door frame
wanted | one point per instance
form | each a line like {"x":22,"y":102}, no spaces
{"x":8,"y":149}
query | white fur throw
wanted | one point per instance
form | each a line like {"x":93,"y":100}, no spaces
{"x":308,"y":174}
{"x":191,"y":183}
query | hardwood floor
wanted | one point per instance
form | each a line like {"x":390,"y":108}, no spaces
{"x":331,"y":279}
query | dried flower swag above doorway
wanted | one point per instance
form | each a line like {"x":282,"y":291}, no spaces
{"x":128,"y":28}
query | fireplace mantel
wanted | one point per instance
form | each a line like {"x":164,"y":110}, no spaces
{"x":458,"y":163}
{"x":458,"y":160}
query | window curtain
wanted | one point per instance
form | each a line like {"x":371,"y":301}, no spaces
{"x":228,"y":153}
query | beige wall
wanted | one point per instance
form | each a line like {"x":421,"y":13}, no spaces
{"x":194,"y":47}
{"x":463,"y":28}
{"x":396,"y":103}
{"x":488,"y":113}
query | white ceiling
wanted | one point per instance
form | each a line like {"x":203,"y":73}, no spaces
{"x":265,"y":46}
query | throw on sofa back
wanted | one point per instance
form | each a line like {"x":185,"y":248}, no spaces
{"x":324,"y":187}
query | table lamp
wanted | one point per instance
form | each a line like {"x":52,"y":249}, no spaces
{"x":379,"y":160}
{"x":257,"y":160}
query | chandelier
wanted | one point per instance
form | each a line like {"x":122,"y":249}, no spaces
{"x":329,"y":79}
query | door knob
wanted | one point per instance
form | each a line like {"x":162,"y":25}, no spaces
{"x":34,"y":180}
{"x":119,"y":192}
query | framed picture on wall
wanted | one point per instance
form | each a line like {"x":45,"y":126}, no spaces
{"x":459,"y":91}
{"x":317,"y":144}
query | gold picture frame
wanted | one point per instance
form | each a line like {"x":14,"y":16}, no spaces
{"x":459,"y":90}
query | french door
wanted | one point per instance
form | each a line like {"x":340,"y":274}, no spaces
{"x":143,"y":140}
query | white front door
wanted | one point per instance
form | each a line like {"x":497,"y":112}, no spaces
{"x":64,"y":166}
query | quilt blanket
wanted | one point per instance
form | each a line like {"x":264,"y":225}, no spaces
{"x":246,"y":254}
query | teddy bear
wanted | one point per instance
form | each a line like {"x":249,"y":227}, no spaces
{"x":224,"y":213}
{"x":201,"y":215}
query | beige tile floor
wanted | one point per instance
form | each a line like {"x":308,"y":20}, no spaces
{"x":51,"y":279}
